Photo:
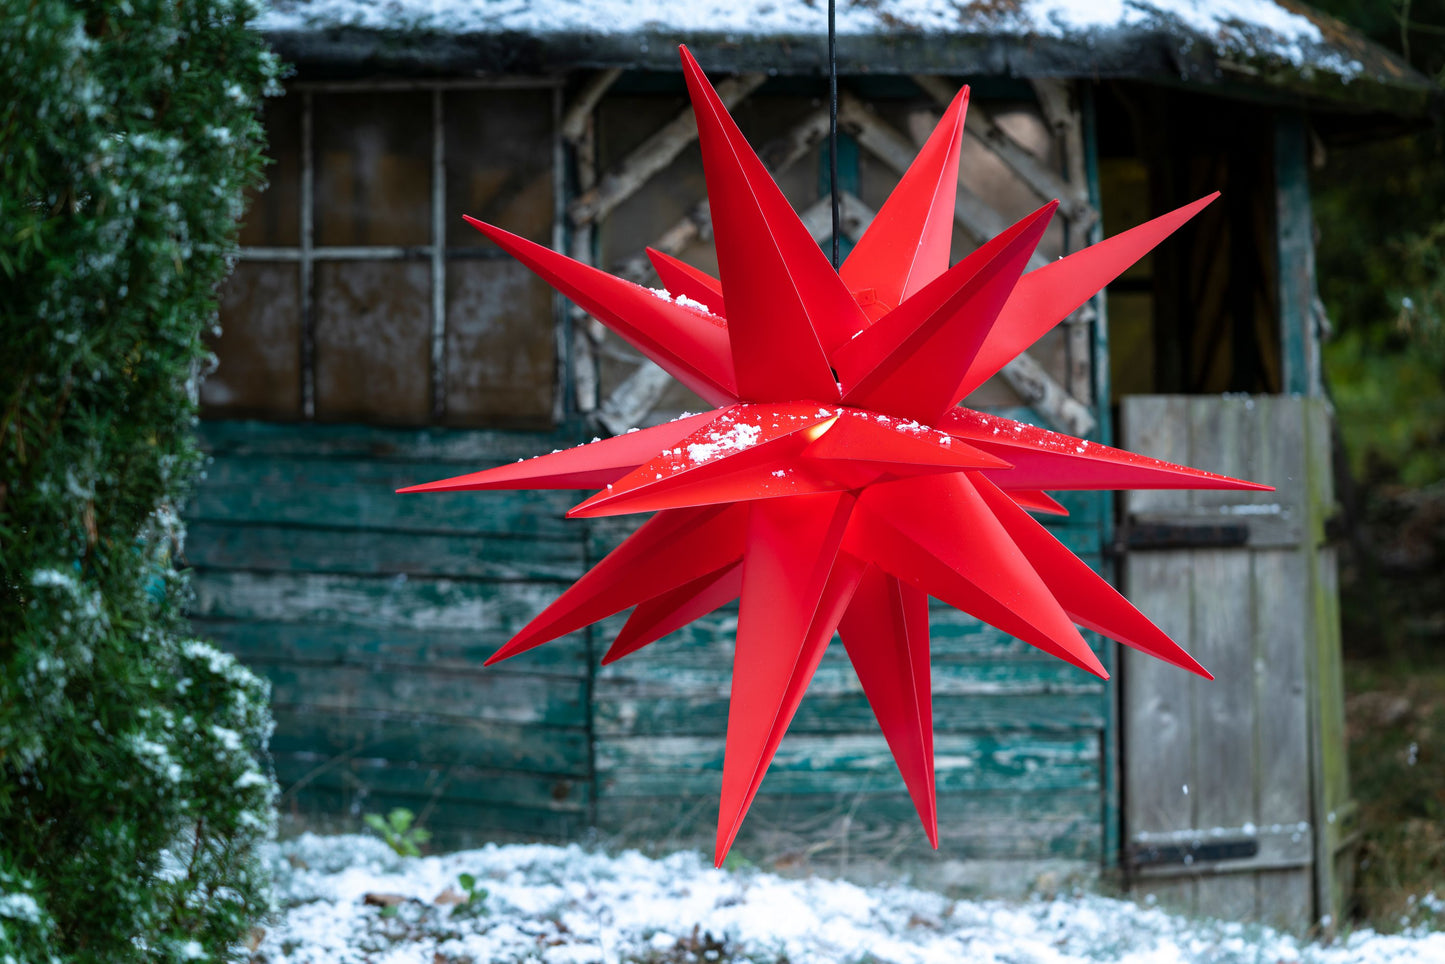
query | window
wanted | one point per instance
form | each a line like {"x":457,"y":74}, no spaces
{"x":361,"y":295}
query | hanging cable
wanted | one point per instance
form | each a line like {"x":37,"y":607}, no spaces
{"x":833,"y":121}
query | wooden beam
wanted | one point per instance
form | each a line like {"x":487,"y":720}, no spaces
{"x":1047,"y":397}
{"x":984,"y":130}
{"x":439,"y":259}
{"x":653,"y":155}
{"x":695,"y":224}
{"x":630,"y":402}
{"x":578,"y":116}
{"x":778,"y":156}
{"x":1295,"y":253}
{"x":853,"y":217}
{"x":783,"y":152}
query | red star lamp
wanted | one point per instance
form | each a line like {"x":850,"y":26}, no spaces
{"x":838,"y":483}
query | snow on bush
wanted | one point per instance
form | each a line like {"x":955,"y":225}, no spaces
{"x":133,"y":795}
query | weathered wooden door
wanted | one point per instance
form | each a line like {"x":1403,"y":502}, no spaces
{"x":1236,"y":797}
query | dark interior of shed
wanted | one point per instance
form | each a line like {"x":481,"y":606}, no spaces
{"x":1200,"y":314}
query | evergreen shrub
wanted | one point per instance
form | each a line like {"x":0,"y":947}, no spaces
{"x":133,"y":786}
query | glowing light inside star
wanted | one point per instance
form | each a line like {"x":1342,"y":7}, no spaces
{"x":838,"y":483}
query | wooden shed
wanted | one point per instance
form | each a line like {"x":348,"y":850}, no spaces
{"x":370,"y":339}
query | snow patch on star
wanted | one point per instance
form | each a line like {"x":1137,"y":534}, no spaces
{"x":740,"y":436}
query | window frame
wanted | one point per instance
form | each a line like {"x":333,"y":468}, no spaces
{"x":307,"y":254}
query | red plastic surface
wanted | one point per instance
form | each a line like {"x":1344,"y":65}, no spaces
{"x":1041,"y":459}
{"x":785,"y":303}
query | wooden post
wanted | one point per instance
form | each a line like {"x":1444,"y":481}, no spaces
{"x":578,"y":128}
{"x":577,"y":122}
{"x":1299,"y":341}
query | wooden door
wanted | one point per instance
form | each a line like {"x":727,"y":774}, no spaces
{"x":1235,"y":791}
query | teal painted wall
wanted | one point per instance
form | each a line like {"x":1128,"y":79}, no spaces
{"x":371,"y":614}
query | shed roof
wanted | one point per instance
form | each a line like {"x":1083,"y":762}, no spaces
{"x":1245,"y":45}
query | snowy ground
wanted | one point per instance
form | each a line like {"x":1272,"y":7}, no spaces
{"x":566,"y":904}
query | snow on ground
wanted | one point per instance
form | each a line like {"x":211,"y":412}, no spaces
{"x":566,"y":904}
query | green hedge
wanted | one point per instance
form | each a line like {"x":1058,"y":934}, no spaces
{"x":133,"y":785}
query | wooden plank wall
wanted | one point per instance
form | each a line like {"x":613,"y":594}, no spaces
{"x":1224,"y":812}
{"x":1018,"y":755}
{"x":371,"y":614}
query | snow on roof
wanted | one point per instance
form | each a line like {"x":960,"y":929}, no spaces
{"x":1248,"y":29}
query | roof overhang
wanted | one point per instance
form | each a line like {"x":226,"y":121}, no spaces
{"x":1255,"y":49}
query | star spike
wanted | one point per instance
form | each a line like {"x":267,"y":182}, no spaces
{"x":1042,"y":459}
{"x":961,"y":554}
{"x":795,"y":588}
{"x":670,"y":611}
{"x":906,"y":246}
{"x":681,"y":278}
{"x":691,"y":346}
{"x":1047,"y":296}
{"x":669,"y":550}
{"x":1034,"y":500}
{"x":786,"y":304}
{"x":1085,"y":596}
{"x":885,"y":631}
{"x":601,"y":462}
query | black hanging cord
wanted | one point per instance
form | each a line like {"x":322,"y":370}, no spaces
{"x":833,"y":121}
